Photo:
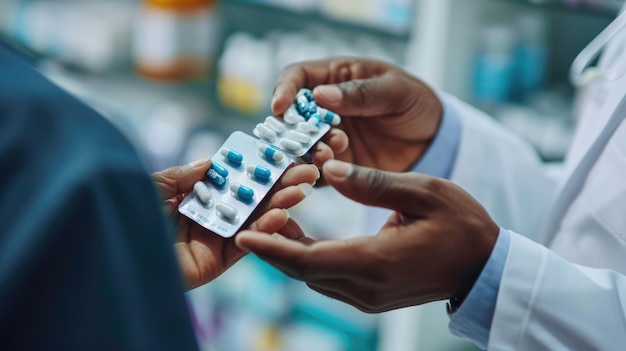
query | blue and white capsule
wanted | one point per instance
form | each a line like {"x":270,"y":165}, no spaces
{"x":219,"y":169}
{"x":271,"y":154}
{"x":242,"y":192}
{"x":260,"y":174}
{"x":232,"y":157}
{"x":328,"y":116}
{"x":216,"y":179}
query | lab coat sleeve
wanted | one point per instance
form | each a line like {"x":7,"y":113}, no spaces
{"x":547,"y":303}
{"x":500,"y":170}
{"x":473,"y":319}
{"x":86,"y":259}
{"x":439,"y":158}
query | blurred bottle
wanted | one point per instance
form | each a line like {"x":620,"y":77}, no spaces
{"x":245,"y":73}
{"x":176,"y":39}
{"x":91,"y":35}
{"x":495,"y":63}
{"x":531,"y":55}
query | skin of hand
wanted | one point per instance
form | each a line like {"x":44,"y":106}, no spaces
{"x":203,"y":255}
{"x":388,"y":116}
{"x":432,"y":247}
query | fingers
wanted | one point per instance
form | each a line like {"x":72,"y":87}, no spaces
{"x":408,"y":193}
{"x":271,"y":221}
{"x":317,"y":261}
{"x":288,"y":197}
{"x":180,"y":179}
{"x":293,"y":78}
{"x":299,"y":174}
{"x":366,"y":97}
{"x":314,"y":73}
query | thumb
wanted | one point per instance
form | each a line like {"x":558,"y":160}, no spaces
{"x":180,"y":179}
{"x":363,"y":97}
{"x":408,"y":193}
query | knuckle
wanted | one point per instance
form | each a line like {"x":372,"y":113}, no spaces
{"x":433,"y":186}
{"x":378,"y":183}
{"x":359,"y":90}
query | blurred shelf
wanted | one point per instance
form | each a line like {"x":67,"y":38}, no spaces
{"x":606,"y":9}
{"x":239,"y":15}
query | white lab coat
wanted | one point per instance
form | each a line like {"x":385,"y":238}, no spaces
{"x":567,"y":292}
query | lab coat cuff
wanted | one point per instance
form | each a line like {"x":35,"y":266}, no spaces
{"x":472,"y":321}
{"x":440,"y":157}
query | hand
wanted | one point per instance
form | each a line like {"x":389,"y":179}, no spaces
{"x":433,"y":246}
{"x":203,"y":255}
{"x":389,"y":116}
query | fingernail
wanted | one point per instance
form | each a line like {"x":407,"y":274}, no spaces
{"x":201,"y":162}
{"x":306,"y":189}
{"x":317,"y":170}
{"x":338,"y":169}
{"x":286,"y":213}
{"x":331,"y":93}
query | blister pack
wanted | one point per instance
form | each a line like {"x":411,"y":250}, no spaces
{"x":245,"y":168}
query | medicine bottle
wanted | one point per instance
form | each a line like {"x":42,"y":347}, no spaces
{"x":175,"y":39}
{"x":494,"y":69}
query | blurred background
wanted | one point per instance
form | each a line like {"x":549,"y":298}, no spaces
{"x":178,"y":76}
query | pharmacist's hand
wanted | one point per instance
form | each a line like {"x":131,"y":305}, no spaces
{"x":432,"y":247}
{"x":203,"y":255}
{"x":389,"y":116}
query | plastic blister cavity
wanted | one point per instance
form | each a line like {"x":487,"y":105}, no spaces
{"x":244,"y":169}
{"x":235,"y":196}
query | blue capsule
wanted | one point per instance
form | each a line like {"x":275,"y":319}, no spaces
{"x":232,"y":157}
{"x":302,"y":99}
{"x":271,"y":154}
{"x":260,"y":174}
{"x":309,"y":95}
{"x":219,"y":169}
{"x":216,"y":179}
{"x":243,"y":193}
{"x":329,"y":117}
{"x":302,"y":108}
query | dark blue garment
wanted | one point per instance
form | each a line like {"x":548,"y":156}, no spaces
{"x":86,"y":259}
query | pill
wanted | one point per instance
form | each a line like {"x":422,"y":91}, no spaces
{"x":292,"y":117}
{"x":307,"y":93}
{"x":307,"y":127}
{"x":232,"y":157}
{"x":329,"y":116}
{"x":302,"y":108}
{"x":299,"y":137}
{"x":219,"y":169}
{"x":243,"y":193}
{"x":202,"y":192}
{"x":264,"y":132}
{"x":216,"y":179}
{"x":315,"y":119}
{"x":290,"y":145}
{"x":273,"y":123}
{"x":226,"y":211}
{"x":271,"y":154}
{"x":302,"y":99}
{"x":259,"y":173}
